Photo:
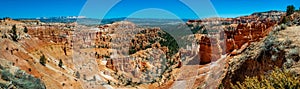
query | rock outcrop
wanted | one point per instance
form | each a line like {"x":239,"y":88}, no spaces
{"x":264,"y":55}
{"x":230,"y":39}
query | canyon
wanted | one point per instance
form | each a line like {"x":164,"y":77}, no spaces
{"x":215,"y":52}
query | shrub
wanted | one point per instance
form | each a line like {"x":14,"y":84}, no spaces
{"x":6,"y":75}
{"x":293,"y":54}
{"x":205,"y":31}
{"x":20,"y":80}
{"x":269,"y":43}
{"x":43,"y":60}
{"x":77,"y":75}
{"x":284,"y":20}
{"x":277,"y":79}
{"x":283,"y":26}
{"x":132,"y":51}
{"x":27,"y":81}
{"x":277,"y":28}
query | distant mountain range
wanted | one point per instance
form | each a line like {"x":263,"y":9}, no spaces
{"x":138,"y":21}
{"x":92,"y":21}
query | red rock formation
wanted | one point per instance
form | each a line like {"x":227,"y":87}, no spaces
{"x":245,"y":33}
{"x":234,"y":39}
{"x":49,"y":33}
{"x":110,"y":64}
{"x":209,"y":50}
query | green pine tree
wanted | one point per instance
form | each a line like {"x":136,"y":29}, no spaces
{"x":290,"y":10}
{"x":60,"y":64}
{"x":43,"y":60}
{"x":14,"y":35}
{"x":25,"y":29}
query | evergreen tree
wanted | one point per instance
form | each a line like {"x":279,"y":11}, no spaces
{"x":77,"y":75}
{"x":25,"y":29}
{"x":43,"y":60}
{"x":205,"y":31}
{"x":290,"y":10}
{"x":65,"y":50}
{"x":60,"y":64}
{"x":14,"y":35}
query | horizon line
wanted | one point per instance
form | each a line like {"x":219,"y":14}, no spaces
{"x":85,"y":17}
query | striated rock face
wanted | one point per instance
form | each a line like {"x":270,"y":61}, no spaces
{"x":209,"y":50}
{"x":231,"y":39}
{"x":246,"y":33}
{"x":260,"y":57}
{"x":56,"y":34}
{"x":254,"y":61}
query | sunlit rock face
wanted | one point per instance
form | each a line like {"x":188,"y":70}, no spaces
{"x":229,"y":38}
{"x":209,"y":50}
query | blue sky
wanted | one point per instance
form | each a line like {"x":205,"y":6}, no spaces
{"x":125,"y":8}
